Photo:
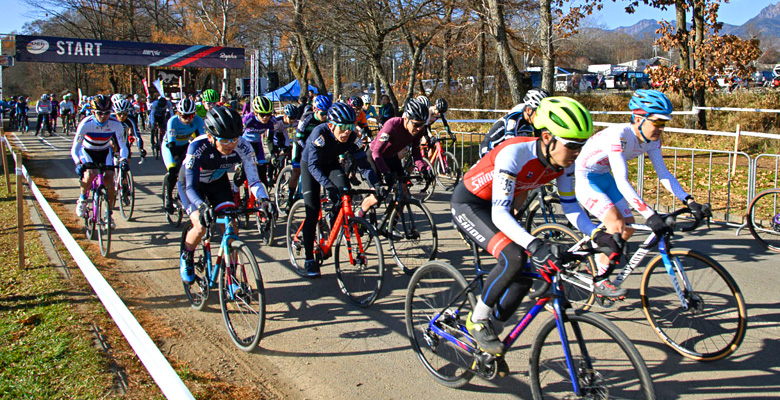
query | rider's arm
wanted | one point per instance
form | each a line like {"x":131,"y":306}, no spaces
{"x":377,"y":148}
{"x":192,"y":175}
{"x":620,"y":171}
{"x":138,"y":140}
{"x":119,"y":132}
{"x":504,"y":177}
{"x":75,"y":150}
{"x":667,"y":179}
{"x":152,"y":110}
{"x":170,"y":137}
{"x":417,"y":155}
{"x":249,"y":162}
{"x":493,"y":137}
{"x":574,"y":212}
{"x":360,"y":159}
{"x":313,"y":152}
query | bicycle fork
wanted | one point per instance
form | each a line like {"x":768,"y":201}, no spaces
{"x":672,"y":266}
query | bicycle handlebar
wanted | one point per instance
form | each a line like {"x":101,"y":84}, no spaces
{"x":100,"y":166}
{"x":566,"y":258}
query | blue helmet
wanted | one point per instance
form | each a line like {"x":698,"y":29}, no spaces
{"x":322,"y":103}
{"x":645,"y":102}
{"x":291,"y":111}
{"x":342,"y":113}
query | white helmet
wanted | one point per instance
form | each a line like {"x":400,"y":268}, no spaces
{"x":366,"y":99}
{"x":122,"y":106}
{"x":186,"y":106}
{"x":135,"y":97}
{"x":424,"y":100}
{"x":117,"y":98}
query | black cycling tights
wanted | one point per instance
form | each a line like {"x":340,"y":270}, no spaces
{"x":311,"y":197}
{"x":504,"y":287}
{"x":173,"y":176}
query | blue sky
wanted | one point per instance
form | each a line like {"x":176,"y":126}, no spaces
{"x":16,"y":13}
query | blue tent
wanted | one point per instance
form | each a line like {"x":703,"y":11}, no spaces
{"x":290,"y":91}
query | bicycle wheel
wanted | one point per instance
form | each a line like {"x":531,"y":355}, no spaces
{"x":552,"y":214}
{"x":103,"y":214}
{"x":437,"y":290}
{"x":126,"y":194}
{"x":242,"y":297}
{"x":412,"y":235}
{"x":605,"y":362}
{"x":421,"y":189}
{"x":89,"y":218}
{"x":447,"y":176}
{"x":764,"y":219}
{"x":577,"y":283}
{"x":174,"y":218}
{"x":360,"y":264}
{"x":198,"y":292}
{"x":714,"y":324}
{"x":282,"y":190}
{"x":265,"y":227}
{"x":294,"y":235}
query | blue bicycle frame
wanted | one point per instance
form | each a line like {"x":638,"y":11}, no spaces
{"x":212,"y":269}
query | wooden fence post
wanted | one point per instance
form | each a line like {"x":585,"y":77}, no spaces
{"x":20,"y":207}
{"x":736,"y":149}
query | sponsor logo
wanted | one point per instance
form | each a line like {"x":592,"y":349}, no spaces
{"x":154,"y":53}
{"x":469,"y":228}
{"x":639,"y":204}
{"x":37,"y":46}
{"x":617,"y":148}
{"x":227,"y":56}
{"x":481,"y":180}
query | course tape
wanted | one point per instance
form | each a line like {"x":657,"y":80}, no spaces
{"x":161,"y":371}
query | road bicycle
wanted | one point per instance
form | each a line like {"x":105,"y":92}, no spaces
{"x":125,"y":191}
{"x":543,"y":206}
{"x":282,"y":192}
{"x":174,"y":218}
{"x":358,"y":257}
{"x":246,"y":199}
{"x":408,"y":226}
{"x":68,"y":123}
{"x":236,"y":276}
{"x":446,"y":168}
{"x":22,"y":123}
{"x":97,"y":213}
{"x":575,"y":353}
{"x":689,"y":299}
{"x":277,"y":161}
{"x":763,"y":219}
{"x":420,"y":186}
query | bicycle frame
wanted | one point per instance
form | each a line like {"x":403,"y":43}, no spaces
{"x":97,"y":182}
{"x":212,"y":269}
{"x":345,"y":213}
{"x":400,"y":198}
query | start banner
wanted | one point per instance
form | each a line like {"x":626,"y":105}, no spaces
{"x":93,"y":51}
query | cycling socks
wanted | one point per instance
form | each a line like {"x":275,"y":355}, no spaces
{"x":481,"y":311}
{"x":602,"y":268}
{"x":360,"y":213}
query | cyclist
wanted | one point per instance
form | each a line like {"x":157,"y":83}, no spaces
{"x":12,"y":112}
{"x":519,"y":121}
{"x":436,"y":111}
{"x":86,"y":107}
{"x":481,"y":207}
{"x":55,"y":112}
{"x":601,"y":172}
{"x":122,"y":110}
{"x":307,"y":123}
{"x":204,"y":177}
{"x":43,"y":108}
{"x":394,"y":136}
{"x":321,"y":165}
{"x":288,"y":120}
{"x":361,"y":122}
{"x":66,"y":111}
{"x":210,"y":99}
{"x":92,"y":144}
{"x":386,"y":110}
{"x":139,"y":109}
{"x":21,"y":114}
{"x":182,"y":127}
{"x":259,"y":122}
{"x":368,"y":109}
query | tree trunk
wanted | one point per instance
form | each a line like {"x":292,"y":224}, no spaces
{"x":548,"y":52}
{"x":480,"y":81}
{"x":685,"y":55}
{"x":698,"y":97}
{"x":498,"y":31}
{"x":376,"y":62}
{"x":305,"y":46}
{"x":377,"y":84}
{"x":336,"y":73}
{"x":413,"y":69}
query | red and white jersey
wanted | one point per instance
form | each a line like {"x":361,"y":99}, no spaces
{"x":513,"y":167}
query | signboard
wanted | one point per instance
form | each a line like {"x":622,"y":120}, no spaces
{"x":6,"y":61}
{"x":170,"y":78}
{"x":93,"y":51}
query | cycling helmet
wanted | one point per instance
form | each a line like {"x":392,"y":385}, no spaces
{"x":355,"y":102}
{"x":66,"y":97}
{"x":122,"y":106}
{"x":101,"y":102}
{"x":424,"y":100}
{"x":564,"y":117}
{"x":417,"y":111}
{"x":117,"y":98}
{"x":162,"y":101}
{"x":534,"y":96}
{"x":322,"y":103}
{"x":291,"y":111}
{"x":442,"y":106}
{"x":645,"y":102}
{"x":366,"y":99}
{"x":186,"y":106}
{"x":136,"y":97}
{"x":44,"y":97}
{"x":224,"y":123}
{"x":210,"y":96}
{"x":341,"y":113}
{"x":262,"y":105}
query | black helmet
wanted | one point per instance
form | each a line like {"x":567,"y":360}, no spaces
{"x":102,"y":103}
{"x":224,"y":123}
{"x":442,"y":106}
{"x":417,"y":111}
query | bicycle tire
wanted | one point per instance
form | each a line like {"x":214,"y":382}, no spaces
{"x":434,"y":286}
{"x":359,"y":277}
{"x":128,"y":194}
{"x":175,"y":217}
{"x":265,"y":228}
{"x":90,"y":217}
{"x":294,"y":236}
{"x":578,"y":291}
{"x":281,"y":190}
{"x":242,"y":297}
{"x":760,"y":219}
{"x":447,"y":176}
{"x":412,"y":220}
{"x":614,"y":367}
{"x":723,"y":301}
{"x":199,"y":297}
{"x":554,"y":214}
{"x":104,"y":222}
{"x":420,"y":189}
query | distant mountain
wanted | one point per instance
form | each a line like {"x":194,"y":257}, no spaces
{"x":766,"y":24}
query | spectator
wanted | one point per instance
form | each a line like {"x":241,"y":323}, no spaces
{"x":386,"y":109}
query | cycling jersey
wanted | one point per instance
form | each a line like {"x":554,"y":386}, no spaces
{"x":200,"y":110}
{"x":515,"y":166}
{"x":322,"y":152}
{"x":392,"y":138}
{"x":305,"y":126}
{"x":21,"y":108}
{"x":93,"y":137}
{"x":130,"y":125}
{"x":204,"y":164}
{"x":43,"y":107}
{"x":370,"y":112}
{"x":86,"y":109}
{"x":608,"y":152}
{"x":179,"y":134}
{"x":509,"y":126}
{"x":55,"y":108}
{"x":66,"y":107}
{"x":160,"y":113}
{"x":282,"y":136}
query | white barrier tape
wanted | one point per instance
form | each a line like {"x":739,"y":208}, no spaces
{"x":692,"y":112}
{"x":161,"y":371}
{"x":479,"y":110}
{"x":765,"y":110}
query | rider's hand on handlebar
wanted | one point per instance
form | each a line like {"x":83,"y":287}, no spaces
{"x":206,"y":216}
{"x":657,"y":225}
{"x":545,"y":258}
{"x":699,"y":211}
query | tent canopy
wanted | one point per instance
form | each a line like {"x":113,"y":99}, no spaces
{"x":290,"y":91}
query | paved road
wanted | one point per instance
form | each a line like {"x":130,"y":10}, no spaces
{"x":319,"y":346}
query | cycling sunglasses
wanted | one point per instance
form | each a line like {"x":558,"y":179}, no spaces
{"x":658,"y":123}
{"x":346,"y":127}
{"x":188,"y":115}
{"x":226,"y":141}
{"x":103,"y":113}
{"x":121,"y":115}
{"x":571,"y":144}
{"x":417,"y":124}
{"x":261,"y":115}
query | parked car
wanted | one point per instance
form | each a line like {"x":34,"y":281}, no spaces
{"x":762,"y":78}
{"x":593,"y":79}
{"x":623,"y":80}
{"x":563,"y":84}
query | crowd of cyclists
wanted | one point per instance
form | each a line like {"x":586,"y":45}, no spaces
{"x":543,"y":139}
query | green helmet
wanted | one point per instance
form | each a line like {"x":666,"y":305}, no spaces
{"x":262,"y":105}
{"x":564,"y":117}
{"x":210,"y":96}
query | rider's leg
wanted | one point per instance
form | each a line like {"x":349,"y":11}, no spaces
{"x":108,"y":179}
